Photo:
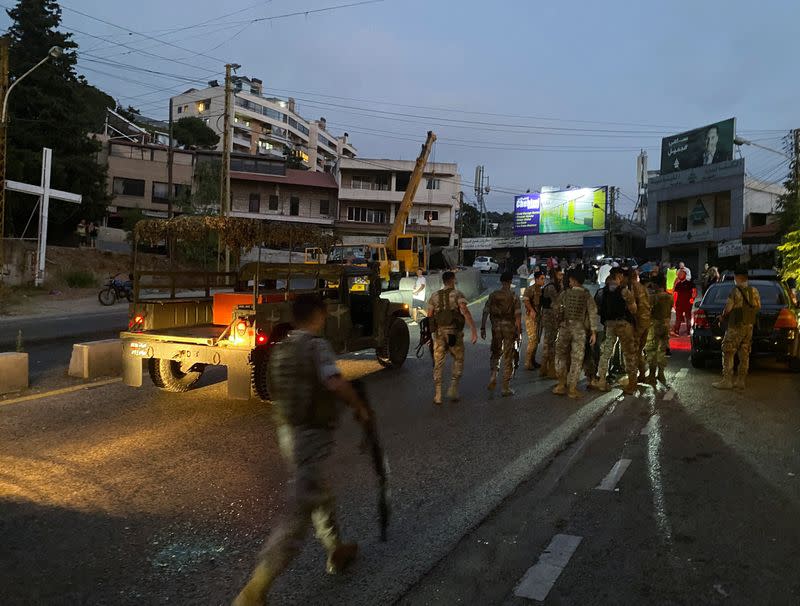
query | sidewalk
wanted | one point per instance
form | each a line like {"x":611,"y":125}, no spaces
{"x":48,"y":306}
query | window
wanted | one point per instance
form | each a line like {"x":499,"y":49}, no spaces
{"x":160,"y":192}
{"x":432,"y":183}
{"x":203,"y":106}
{"x":255,"y":203}
{"x":722,"y":210}
{"x":294,"y":206}
{"x":180,"y":109}
{"x":129,"y":187}
{"x":273,"y":202}
{"x":431,"y":215}
{"x":378,"y":182}
{"x":366,"y":215}
{"x":324,"y":207}
{"x":676,"y":215}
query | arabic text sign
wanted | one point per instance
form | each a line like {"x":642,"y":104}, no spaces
{"x":699,"y":147}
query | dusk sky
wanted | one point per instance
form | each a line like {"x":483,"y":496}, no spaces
{"x":540,"y":93}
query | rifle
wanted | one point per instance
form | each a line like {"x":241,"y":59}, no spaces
{"x":425,"y":337}
{"x":371,"y":443}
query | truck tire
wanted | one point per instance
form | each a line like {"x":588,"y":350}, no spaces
{"x":167,"y":374}
{"x":259,"y":361}
{"x":394,"y":352}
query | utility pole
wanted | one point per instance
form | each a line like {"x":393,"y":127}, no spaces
{"x":3,"y":135}
{"x":610,"y":212}
{"x":481,"y":188}
{"x":170,"y":158}
{"x":225,"y":176}
{"x":797,"y":167}
{"x":640,"y":212}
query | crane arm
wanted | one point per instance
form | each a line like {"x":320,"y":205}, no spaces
{"x":411,"y":191}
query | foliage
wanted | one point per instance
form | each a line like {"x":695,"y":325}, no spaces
{"x":53,"y":107}
{"x":80,"y":279}
{"x":204,"y":197}
{"x":193,"y":132}
{"x":788,"y":204}
{"x":471,"y":218}
{"x":790,"y":255}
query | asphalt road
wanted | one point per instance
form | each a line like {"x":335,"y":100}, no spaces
{"x":47,"y":328}
{"x":123,"y":496}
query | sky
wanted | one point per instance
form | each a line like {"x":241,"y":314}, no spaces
{"x":540,"y":93}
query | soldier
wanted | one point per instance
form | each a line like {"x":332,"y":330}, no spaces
{"x":743,"y":306}
{"x":533,"y":309}
{"x":305,"y":384}
{"x":576,"y":312}
{"x":550,"y":294}
{"x":619,"y":310}
{"x":449,"y":312}
{"x":658,"y":335}
{"x":642,"y":324}
{"x":503,"y":308}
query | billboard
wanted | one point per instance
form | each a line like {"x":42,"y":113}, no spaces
{"x":555,"y":212}
{"x":699,"y":147}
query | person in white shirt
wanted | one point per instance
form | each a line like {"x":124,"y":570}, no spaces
{"x":682,"y":266}
{"x":418,"y":295}
{"x":603,"y":273}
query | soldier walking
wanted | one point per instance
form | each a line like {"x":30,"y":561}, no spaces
{"x":533,"y":310}
{"x":550,"y":293}
{"x":642,"y":323}
{"x":658,"y":335}
{"x":576,"y":313}
{"x":305,"y":384}
{"x":449,"y":312}
{"x":742,"y":308}
{"x":504,"y":310}
{"x":619,"y":310}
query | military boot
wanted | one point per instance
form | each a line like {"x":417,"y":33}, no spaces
{"x":740,"y":382}
{"x":651,"y":378}
{"x":661,"y":378}
{"x":573,"y":392}
{"x":544,"y":369}
{"x":507,"y":391}
{"x":601,"y":385}
{"x":725,"y":383}
{"x":560,"y":389}
{"x":452,"y":391}
{"x":492,"y":380}
{"x":437,"y":396}
{"x":629,"y":388}
{"x":340,"y":558}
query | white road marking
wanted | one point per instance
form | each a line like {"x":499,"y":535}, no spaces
{"x":610,"y":481}
{"x":649,"y":427}
{"x":682,"y":373}
{"x":669,"y":395}
{"x":539,"y":579}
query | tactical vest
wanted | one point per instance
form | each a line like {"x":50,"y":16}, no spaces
{"x":744,"y":315}
{"x":298,"y":396}
{"x":575,"y":303}
{"x":614,"y":306}
{"x":547,"y":300}
{"x":502,"y":306}
{"x":662,"y":306}
{"x":447,"y":316}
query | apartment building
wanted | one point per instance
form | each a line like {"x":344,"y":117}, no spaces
{"x":264,"y":126}
{"x":370,"y":192}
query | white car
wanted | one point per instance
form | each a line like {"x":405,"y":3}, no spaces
{"x":486,"y":264}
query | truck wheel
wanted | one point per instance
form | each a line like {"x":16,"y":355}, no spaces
{"x":259,"y":361}
{"x":394,"y":352}
{"x":167,"y":374}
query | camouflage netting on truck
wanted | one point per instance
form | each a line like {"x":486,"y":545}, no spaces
{"x":234,"y":232}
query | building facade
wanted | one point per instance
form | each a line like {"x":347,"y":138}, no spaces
{"x":370,"y":192}
{"x":264,"y":126}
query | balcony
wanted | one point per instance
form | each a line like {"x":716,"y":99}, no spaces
{"x":243,"y":141}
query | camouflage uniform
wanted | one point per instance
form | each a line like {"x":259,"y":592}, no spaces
{"x":576,"y":312}
{"x":642,"y":324}
{"x":550,"y":294}
{"x":532,"y":321}
{"x":447,"y":299}
{"x":658,"y":335}
{"x":306,"y":414}
{"x":623,"y":330}
{"x":742,"y":307}
{"x":503,"y":308}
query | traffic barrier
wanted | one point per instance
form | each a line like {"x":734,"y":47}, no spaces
{"x":96,"y":359}
{"x":13,"y":371}
{"x":469,"y":282}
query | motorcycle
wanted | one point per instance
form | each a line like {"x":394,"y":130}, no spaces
{"x":116,"y":290}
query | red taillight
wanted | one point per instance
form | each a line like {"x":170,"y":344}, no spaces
{"x":786,"y":319}
{"x":700,"y":319}
{"x":261,"y":339}
{"x":138,"y":320}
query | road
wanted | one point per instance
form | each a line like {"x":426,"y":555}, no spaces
{"x":166,"y":498}
{"x":46,"y":328}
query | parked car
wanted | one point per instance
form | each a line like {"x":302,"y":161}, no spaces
{"x":774,"y":335}
{"x":486,"y":264}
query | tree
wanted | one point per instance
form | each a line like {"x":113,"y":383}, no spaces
{"x":790,"y":255}
{"x":788,"y":205}
{"x":193,"y":132}
{"x":53,"y":107}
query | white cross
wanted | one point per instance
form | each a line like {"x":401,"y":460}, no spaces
{"x":45,"y":193}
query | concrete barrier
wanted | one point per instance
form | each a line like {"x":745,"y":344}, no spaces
{"x":96,"y":359}
{"x":469,"y":282}
{"x":13,"y":371}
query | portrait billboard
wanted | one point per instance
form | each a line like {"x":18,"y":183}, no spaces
{"x":560,"y":211}
{"x":699,"y":147}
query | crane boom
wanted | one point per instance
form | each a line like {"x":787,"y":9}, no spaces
{"x":408,"y":199}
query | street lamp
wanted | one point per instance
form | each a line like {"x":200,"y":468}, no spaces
{"x":739,"y":141}
{"x":54,"y":53}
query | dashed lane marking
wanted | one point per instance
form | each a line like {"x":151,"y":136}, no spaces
{"x":539,"y":579}
{"x":649,"y":427}
{"x":58,"y":392}
{"x":669,"y":394}
{"x":610,"y":481}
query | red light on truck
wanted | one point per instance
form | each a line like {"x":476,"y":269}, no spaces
{"x":261,"y":339}
{"x":138,"y":320}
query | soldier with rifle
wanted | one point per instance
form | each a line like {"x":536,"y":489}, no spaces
{"x":306,"y":386}
{"x":503,"y":308}
{"x":550,"y":293}
{"x":533,"y":321}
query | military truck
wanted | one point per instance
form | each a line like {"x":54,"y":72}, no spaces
{"x":239,"y":316}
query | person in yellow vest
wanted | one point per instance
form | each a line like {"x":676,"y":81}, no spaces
{"x":672,"y":275}
{"x":741,"y":311}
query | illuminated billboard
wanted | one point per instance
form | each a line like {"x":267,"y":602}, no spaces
{"x":699,"y":147}
{"x":566,"y":210}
